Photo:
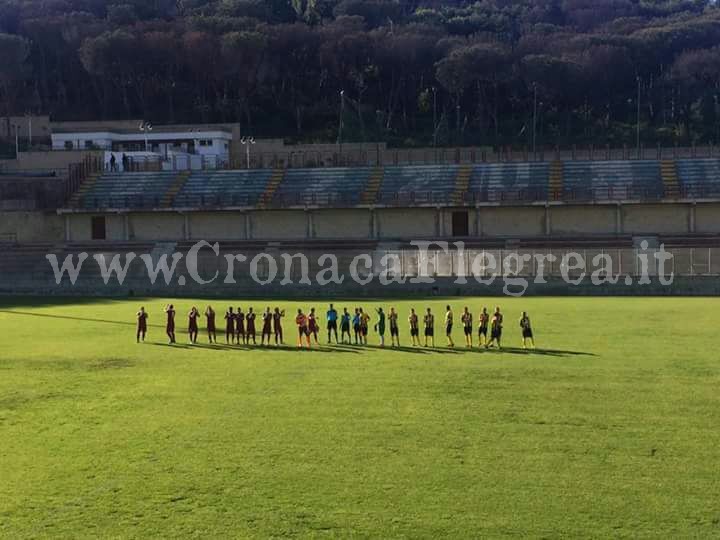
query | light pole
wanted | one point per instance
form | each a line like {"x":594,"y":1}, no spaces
{"x":435,"y":126}
{"x":146,"y":128}
{"x":29,"y":117}
{"x":246,"y":142}
{"x":534,"y":134}
{"x":637,"y":124}
{"x":17,"y":141}
{"x":340,"y":126}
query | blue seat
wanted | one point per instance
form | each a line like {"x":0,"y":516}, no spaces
{"x":509,"y":182}
{"x":612,"y":180}
{"x":418,"y":183}
{"x":699,"y":178}
{"x":223,"y":188}
{"x":341,"y":186}
{"x":128,"y":190}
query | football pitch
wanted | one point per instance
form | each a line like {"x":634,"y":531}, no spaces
{"x":611,"y":428}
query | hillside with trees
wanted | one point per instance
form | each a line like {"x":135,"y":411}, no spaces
{"x":412,"y":72}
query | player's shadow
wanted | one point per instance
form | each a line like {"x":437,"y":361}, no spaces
{"x":249,"y":348}
{"x":80,"y":319}
{"x":402,"y":348}
{"x":527,"y":352}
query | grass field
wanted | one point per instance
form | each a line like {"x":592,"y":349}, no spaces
{"x":610,"y":429}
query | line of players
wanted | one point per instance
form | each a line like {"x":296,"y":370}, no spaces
{"x":241,"y":327}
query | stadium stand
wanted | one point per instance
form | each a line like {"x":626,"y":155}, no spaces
{"x":223,"y":188}
{"x":612,"y":180}
{"x":698,"y":178}
{"x":509,"y":182}
{"x":422,"y":184}
{"x":335,"y":186}
{"x":126,"y":190}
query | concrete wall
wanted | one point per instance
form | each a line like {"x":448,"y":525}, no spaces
{"x":406,"y":223}
{"x":583,"y":220}
{"x":217,"y":226}
{"x":341,"y":223}
{"x":57,"y":161}
{"x":707,"y":218}
{"x":512,"y":221}
{"x":157,"y":226}
{"x":656,"y":219}
{"x":33,"y":226}
{"x":278,"y":224}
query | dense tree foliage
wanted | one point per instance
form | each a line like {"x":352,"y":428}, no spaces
{"x":411,"y":71}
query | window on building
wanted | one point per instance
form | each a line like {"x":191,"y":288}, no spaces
{"x":89,"y":144}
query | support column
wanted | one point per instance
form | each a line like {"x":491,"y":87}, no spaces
{"x":68,"y":234}
{"x":248,"y":226}
{"x":691,"y":224}
{"x":126,"y":227}
{"x":618,"y":219}
{"x":186,"y":227}
{"x":310,"y":224}
{"x":478,"y":229}
{"x":548,"y":222}
{"x":438,"y":223}
{"x":374,"y":225}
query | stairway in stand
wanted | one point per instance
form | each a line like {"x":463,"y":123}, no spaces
{"x":169,"y":197}
{"x":369,"y":196}
{"x":555,"y":181}
{"x":671,"y":186}
{"x":275,"y":179}
{"x":462,"y":184}
{"x":85,"y":186}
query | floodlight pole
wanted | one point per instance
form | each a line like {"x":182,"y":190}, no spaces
{"x":17,"y":141}
{"x":435,"y":126}
{"x":534,"y":133}
{"x":340,"y":127}
{"x":246,"y":142}
{"x":146,"y":127}
{"x":637,"y":124}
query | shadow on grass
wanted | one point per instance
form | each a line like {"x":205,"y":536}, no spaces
{"x":251,"y":348}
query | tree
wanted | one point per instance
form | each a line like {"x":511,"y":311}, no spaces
{"x":14,"y":51}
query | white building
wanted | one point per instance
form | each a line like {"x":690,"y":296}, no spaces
{"x":188,"y":149}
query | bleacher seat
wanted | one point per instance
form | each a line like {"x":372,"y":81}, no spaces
{"x":223,"y":188}
{"x":699,"y":178}
{"x":612,"y":180}
{"x":418,"y":184}
{"x":334,"y":186}
{"x":491,"y":182}
{"x":128,"y":190}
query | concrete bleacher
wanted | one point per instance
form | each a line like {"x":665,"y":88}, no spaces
{"x":421,"y":184}
{"x":698,"y":178}
{"x":612,"y":180}
{"x":334,"y":186}
{"x":223,"y":188}
{"x":493,"y":182}
{"x":128,"y":190}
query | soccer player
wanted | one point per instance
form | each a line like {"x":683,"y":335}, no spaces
{"x":277,"y":326}
{"x":229,"y":326}
{"x":483,"y":319}
{"x":142,"y":318}
{"x":429,"y":321}
{"x":496,"y":329}
{"x":210,"y":318}
{"x":193,"y":324}
{"x":380,"y":326}
{"x":414,"y":328}
{"x":356,"y":326}
{"x":240,"y":333}
{"x":449,"y":326}
{"x":301,"y":322}
{"x":313,"y":326}
{"x":527,"y":332}
{"x":345,"y":326}
{"x":332,"y":317}
{"x":364,"y":324}
{"x":250,"y":326}
{"x":394,"y":330}
{"x":170,"y":325}
{"x":267,"y":318}
{"x":467,"y":323}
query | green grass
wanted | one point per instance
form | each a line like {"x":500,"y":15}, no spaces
{"x":611,"y":429}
